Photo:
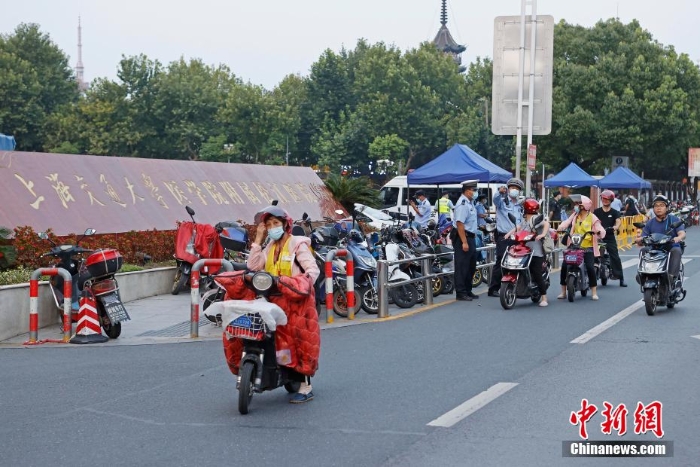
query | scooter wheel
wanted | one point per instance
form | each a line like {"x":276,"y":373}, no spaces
{"x":292,"y":387}
{"x":179,"y":282}
{"x":571,"y":288}
{"x":650,"y":301}
{"x":507,"y":295}
{"x":245,"y":390}
{"x":478,"y":278}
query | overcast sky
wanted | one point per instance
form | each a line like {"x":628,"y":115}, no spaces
{"x":264,"y":40}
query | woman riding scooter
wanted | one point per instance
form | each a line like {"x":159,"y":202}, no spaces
{"x":581,"y":222}
{"x":288,"y":255}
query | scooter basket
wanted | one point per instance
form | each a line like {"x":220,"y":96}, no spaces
{"x":573,"y":257}
{"x":249,"y":326}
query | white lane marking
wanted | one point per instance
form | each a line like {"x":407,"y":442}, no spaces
{"x":588,"y":335}
{"x":697,"y":337}
{"x":472,"y":405}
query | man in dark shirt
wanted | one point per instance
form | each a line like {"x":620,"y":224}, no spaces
{"x":610,"y":219}
{"x":630,"y":207}
{"x":554,"y":207}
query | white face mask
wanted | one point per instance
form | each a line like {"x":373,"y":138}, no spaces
{"x":514,"y":193}
{"x":577,"y":209}
{"x":275,"y":233}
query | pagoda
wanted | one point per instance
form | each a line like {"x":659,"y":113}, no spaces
{"x":444,"y":41}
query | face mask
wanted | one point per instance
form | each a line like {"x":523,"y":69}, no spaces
{"x":577,"y":209}
{"x":275,"y":233}
{"x":514,"y":193}
{"x":472,"y":196}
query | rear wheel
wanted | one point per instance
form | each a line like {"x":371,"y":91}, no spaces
{"x":507,"y":295}
{"x":584,"y":292}
{"x":650,"y":301}
{"x":571,"y":288}
{"x":112,"y":330}
{"x":369,"y":300}
{"x":438,"y":285}
{"x":477,"y":278}
{"x":292,"y":386}
{"x":604,"y":274}
{"x":179,"y":282}
{"x":245,"y":390}
{"x":449,"y":284}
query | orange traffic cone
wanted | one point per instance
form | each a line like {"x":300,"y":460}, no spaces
{"x":88,"y":330}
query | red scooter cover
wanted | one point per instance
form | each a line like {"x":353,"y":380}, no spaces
{"x":207,"y":244}
{"x":301,"y":335}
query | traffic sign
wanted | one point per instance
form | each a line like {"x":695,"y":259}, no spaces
{"x":531,"y":157}
{"x":618,"y":161}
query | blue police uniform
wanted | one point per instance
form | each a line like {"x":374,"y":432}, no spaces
{"x":465,"y":261}
{"x":504,"y":206}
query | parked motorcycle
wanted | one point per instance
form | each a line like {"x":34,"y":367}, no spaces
{"x":92,"y":276}
{"x":603,"y":270}
{"x":577,"y":277}
{"x":657,"y":285}
{"x":517,"y":281}
{"x":193,"y":242}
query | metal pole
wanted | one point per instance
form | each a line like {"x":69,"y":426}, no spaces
{"x":382,"y":290}
{"x":531,"y":92}
{"x":521,"y":73}
{"x":426,"y":270}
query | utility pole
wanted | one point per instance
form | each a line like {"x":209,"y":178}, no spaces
{"x":286,"y":155}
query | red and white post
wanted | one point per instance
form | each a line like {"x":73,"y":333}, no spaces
{"x":349,"y":270}
{"x":34,"y":301}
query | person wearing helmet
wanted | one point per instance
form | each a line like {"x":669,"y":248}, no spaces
{"x":506,"y":202}
{"x":616,"y":203}
{"x":286,"y":255}
{"x":611,"y":219}
{"x":660,"y":223}
{"x":538,"y":224}
{"x":581,"y":222}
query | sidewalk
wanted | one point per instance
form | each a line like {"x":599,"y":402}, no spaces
{"x":164,"y":319}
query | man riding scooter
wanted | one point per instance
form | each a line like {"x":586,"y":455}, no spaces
{"x":660,"y":224}
{"x":611,"y":219}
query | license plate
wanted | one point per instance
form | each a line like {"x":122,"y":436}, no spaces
{"x":114,"y":308}
{"x":572,"y":258}
{"x":242,"y":322}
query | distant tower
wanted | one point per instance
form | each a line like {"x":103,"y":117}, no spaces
{"x":444,"y":41}
{"x":79,"y":69}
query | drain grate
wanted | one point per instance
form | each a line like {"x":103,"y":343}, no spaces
{"x":176,"y":330}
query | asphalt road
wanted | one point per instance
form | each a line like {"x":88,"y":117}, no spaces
{"x":381,"y":390}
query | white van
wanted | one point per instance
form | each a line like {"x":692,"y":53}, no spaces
{"x":394,"y":195}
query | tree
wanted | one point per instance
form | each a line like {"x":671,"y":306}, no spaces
{"x":347,"y":191}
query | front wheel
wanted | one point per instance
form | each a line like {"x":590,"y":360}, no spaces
{"x":438,"y":285}
{"x":650,"y":301}
{"x":179,"y":282}
{"x":571,"y":288}
{"x":449,"y":284}
{"x":245,"y":390}
{"x":369,"y":300}
{"x":507,"y":295}
{"x":477,"y":278}
{"x":340,"y":303}
{"x":404,"y":296}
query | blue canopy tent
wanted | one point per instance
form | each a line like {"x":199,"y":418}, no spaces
{"x":622,"y":177}
{"x":7,"y":143}
{"x":457,"y":164}
{"x":572,"y":176}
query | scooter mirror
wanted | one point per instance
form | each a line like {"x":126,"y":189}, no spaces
{"x":190,"y":211}
{"x":304,"y":216}
{"x":274,"y":202}
{"x":90,"y":232}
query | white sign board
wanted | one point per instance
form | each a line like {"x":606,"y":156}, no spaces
{"x":618,"y":161}
{"x":506,"y":67}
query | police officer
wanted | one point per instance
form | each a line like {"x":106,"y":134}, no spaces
{"x":463,"y":237}
{"x":506,"y":202}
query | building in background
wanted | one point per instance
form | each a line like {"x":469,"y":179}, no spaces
{"x":444,"y":41}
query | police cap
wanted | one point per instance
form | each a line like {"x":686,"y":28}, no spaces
{"x":469,"y":185}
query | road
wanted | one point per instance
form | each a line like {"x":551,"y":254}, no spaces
{"x":381,"y":394}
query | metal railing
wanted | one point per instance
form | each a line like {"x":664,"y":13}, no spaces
{"x":383,"y":284}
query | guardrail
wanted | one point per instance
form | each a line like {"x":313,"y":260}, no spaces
{"x":427,"y":276}
{"x":194,"y":286}
{"x":34,"y":301}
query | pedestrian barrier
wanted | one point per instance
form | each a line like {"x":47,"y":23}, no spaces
{"x":427,"y":276}
{"x":628,"y":232}
{"x":194,"y":288}
{"x":88,"y":330}
{"x":34,"y":303}
{"x":350,"y":293}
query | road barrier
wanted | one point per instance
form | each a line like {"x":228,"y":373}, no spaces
{"x":34,"y":301}
{"x":628,"y":232}
{"x":349,"y":293}
{"x":194,"y":289}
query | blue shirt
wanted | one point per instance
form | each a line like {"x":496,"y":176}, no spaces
{"x":503,"y":224}
{"x":654,"y":226}
{"x":480,"y":209}
{"x":424,"y":212}
{"x":616,"y":204}
{"x":465,"y":212}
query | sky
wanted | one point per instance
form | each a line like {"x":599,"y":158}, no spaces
{"x":263,"y":41}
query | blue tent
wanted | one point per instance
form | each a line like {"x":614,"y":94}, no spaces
{"x":572,"y":176}
{"x":457,"y":164}
{"x":7,"y":143}
{"x":622,"y":177}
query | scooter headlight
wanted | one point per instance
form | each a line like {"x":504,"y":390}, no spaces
{"x":367,"y":262}
{"x":513,"y":261}
{"x":262,"y":281}
{"x":652,"y":266}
